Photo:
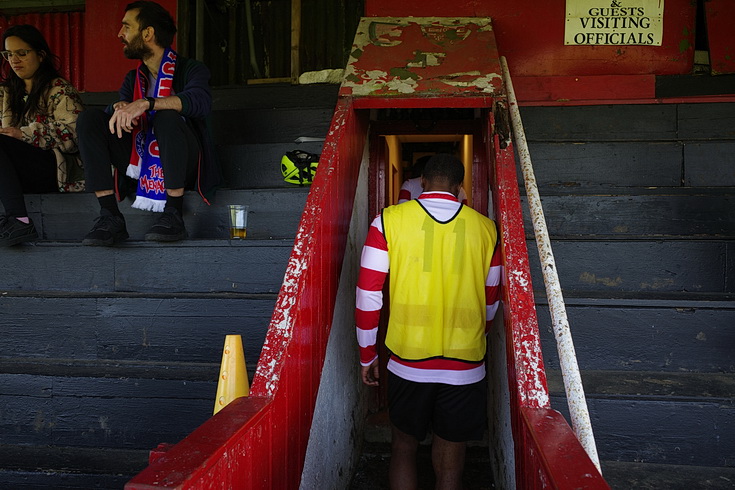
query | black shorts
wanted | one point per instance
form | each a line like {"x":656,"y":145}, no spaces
{"x":454,"y":413}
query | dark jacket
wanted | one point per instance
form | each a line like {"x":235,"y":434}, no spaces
{"x":191,"y":85}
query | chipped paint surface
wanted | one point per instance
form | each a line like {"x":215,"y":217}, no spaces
{"x":576,"y":400}
{"x":423,"y":56}
{"x":267,"y":377}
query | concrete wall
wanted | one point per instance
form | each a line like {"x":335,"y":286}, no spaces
{"x":337,"y":425}
{"x":501,"y":444}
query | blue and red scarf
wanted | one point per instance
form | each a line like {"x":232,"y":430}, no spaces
{"x":145,"y":162}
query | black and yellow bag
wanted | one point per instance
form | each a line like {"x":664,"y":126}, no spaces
{"x":298,"y":167}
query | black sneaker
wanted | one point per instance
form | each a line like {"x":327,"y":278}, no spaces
{"x":169,"y":227}
{"x":13,"y":232}
{"x":107,"y":230}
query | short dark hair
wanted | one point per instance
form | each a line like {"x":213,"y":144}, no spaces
{"x":444,"y":168}
{"x":151,"y":14}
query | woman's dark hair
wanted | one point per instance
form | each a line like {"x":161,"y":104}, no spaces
{"x":151,"y":14}
{"x":41,"y":80}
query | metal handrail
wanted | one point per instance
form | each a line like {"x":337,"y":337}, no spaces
{"x":565,"y":346}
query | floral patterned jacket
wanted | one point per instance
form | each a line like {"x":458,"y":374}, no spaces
{"x":54,"y":128}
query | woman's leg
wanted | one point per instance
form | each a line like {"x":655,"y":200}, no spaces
{"x":24,"y":168}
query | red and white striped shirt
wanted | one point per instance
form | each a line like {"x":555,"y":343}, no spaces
{"x":374,"y":267}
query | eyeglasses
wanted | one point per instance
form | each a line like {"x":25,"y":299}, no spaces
{"x":20,"y":53}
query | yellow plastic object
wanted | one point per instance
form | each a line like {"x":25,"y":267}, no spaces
{"x":233,"y":377}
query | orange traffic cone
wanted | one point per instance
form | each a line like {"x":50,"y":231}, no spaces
{"x":233,"y":377}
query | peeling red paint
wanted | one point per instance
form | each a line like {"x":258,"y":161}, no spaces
{"x":423,"y":57}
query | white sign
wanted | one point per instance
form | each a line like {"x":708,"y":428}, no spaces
{"x":622,"y":22}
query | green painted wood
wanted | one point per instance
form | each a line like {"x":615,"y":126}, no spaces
{"x":270,"y":125}
{"x":114,"y":413}
{"x":621,"y":474}
{"x":250,"y":166}
{"x":95,"y":462}
{"x":661,"y":431}
{"x":252,"y":266}
{"x":632,"y":216}
{"x":651,"y":385}
{"x":709,"y":164}
{"x":645,"y":267}
{"x":707,"y":121}
{"x":601,"y":123}
{"x":693,"y":338}
{"x":595,"y":165}
{"x":274,"y":213}
{"x":166,"y":329}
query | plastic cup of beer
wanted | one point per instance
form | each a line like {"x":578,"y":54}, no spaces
{"x":238,"y":221}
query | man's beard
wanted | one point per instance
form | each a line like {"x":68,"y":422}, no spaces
{"x":136,"y":49}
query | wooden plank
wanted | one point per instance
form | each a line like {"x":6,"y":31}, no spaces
{"x":600,"y":123}
{"x":651,"y":385}
{"x":708,"y":164}
{"x":661,"y":432}
{"x":628,"y":338}
{"x":110,"y":368}
{"x":66,"y":458}
{"x":623,"y":474}
{"x":610,"y":164}
{"x":250,"y":268}
{"x":641,"y":267}
{"x":274,"y":213}
{"x":707,"y":121}
{"x":122,"y":413}
{"x":272,"y":97}
{"x":247,"y":267}
{"x":270,"y":125}
{"x":637,"y":216}
{"x":252,"y":166}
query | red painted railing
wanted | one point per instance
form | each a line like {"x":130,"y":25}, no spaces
{"x":260,"y":441}
{"x":547,"y":453}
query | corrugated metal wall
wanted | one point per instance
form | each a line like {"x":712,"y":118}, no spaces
{"x":64,"y":32}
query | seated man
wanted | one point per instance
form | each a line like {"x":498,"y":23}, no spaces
{"x":155,"y":133}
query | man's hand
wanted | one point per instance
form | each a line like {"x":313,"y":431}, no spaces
{"x":371,"y":374}
{"x":12,"y":132}
{"x":126,"y":115}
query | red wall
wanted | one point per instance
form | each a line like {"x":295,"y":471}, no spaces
{"x":105,"y":64}
{"x":530,"y":34}
{"x":64,"y":34}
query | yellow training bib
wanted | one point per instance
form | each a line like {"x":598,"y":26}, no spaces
{"x":437,"y":282}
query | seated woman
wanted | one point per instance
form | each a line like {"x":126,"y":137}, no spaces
{"x":38,"y":139}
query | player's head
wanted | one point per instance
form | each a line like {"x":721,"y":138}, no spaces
{"x":443,"y":172}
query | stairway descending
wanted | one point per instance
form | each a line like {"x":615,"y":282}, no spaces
{"x":108,"y":352}
{"x":640,"y":203}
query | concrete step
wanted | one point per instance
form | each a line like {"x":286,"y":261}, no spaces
{"x":274,"y":213}
{"x":372,"y":468}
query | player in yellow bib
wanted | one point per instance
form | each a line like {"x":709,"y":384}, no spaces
{"x":444,"y":288}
